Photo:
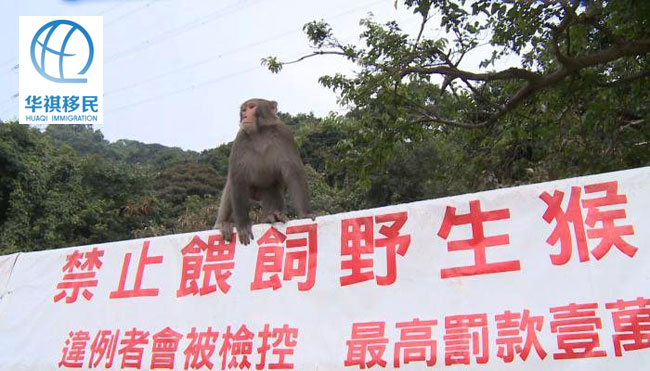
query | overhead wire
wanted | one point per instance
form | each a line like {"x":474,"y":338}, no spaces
{"x":187,"y":27}
{"x":111,"y":8}
{"x":179,"y":30}
{"x":107,"y":10}
{"x":232,"y":51}
{"x":133,"y":11}
{"x":197,"y":86}
{"x":189,"y":88}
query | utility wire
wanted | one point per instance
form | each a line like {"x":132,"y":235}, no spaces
{"x":230,"y":52}
{"x":205,"y":83}
{"x":198,"y":63}
{"x":189,"y":88}
{"x":179,"y":30}
{"x":11,"y":59}
{"x":12,"y":69}
{"x":111,"y":8}
{"x":133,"y":11}
{"x":187,"y":27}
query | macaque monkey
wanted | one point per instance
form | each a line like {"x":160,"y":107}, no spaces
{"x":264,"y":163}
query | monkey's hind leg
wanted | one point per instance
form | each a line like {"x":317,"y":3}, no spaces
{"x":273,"y":204}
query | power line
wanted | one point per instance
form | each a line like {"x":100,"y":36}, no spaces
{"x":12,"y":99}
{"x":232,"y":51}
{"x":11,"y":59}
{"x":189,"y":88}
{"x":128,"y":14}
{"x":194,"y":24}
{"x":111,"y":8}
{"x":207,"y":82}
{"x":12,"y":69}
{"x":176,"y":31}
{"x":199,"y":63}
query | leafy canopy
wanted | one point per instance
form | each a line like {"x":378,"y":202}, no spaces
{"x":580,"y":92}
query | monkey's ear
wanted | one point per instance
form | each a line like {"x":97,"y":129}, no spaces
{"x":274,"y":107}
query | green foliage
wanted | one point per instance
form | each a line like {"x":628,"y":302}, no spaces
{"x":68,"y":186}
{"x":577,"y":104}
{"x":53,"y":197}
{"x":419,"y":127}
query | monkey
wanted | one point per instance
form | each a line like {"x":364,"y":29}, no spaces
{"x":264,"y":163}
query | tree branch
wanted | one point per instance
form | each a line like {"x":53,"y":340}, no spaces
{"x":425,"y":19}
{"x":625,"y":80}
{"x":316,"y":53}
{"x":509,"y":74}
{"x":431,"y":118}
{"x":535,"y":81}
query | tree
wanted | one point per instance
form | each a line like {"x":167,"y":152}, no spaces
{"x":50,"y":196}
{"x":581,"y":86}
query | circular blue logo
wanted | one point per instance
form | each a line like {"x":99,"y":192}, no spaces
{"x":57,"y":37}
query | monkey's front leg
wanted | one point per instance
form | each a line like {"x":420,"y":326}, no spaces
{"x":224,"y":219}
{"x":240,"y":206}
{"x":226,"y":229}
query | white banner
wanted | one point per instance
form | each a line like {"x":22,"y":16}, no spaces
{"x":6,"y":265}
{"x":551,"y":276}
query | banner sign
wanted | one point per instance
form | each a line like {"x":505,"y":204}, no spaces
{"x":6,"y":265}
{"x":551,"y":276}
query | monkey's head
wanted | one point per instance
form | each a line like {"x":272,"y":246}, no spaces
{"x":256,"y":113}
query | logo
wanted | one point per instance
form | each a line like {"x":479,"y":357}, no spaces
{"x":66,"y":83}
{"x":71,"y":47}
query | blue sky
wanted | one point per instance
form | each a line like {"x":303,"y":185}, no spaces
{"x":175,"y":71}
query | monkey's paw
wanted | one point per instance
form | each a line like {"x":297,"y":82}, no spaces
{"x":245,"y":234}
{"x":276,"y":216}
{"x":226,"y":229}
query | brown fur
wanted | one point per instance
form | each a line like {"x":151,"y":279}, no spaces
{"x":264,"y":162}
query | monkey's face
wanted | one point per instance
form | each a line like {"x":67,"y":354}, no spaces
{"x":247,"y":118}
{"x":247,"y":113}
{"x":253,"y":111}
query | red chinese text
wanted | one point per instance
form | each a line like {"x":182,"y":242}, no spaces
{"x":74,"y":351}
{"x":358,"y":242}
{"x":133,"y":347}
{"x":281,"y":342}
{"x":367,"y":345}
{"x":415,"y":343}
{"x":631,"y":323}
{"x":292,"y":255}
{"x":509,"y":335}
{"x":598,"y":210}
{"x":576,"y":327}
{"x":272,"y":348}
{"x":103,"y":348}
{"x":239,"y":346}
{"x":460,"y":343}
{"x":137,"y":290}
{"x":479,"y":242}
{"x":201,"y":348}
{"x":80,"y":271}
{"x":214,"y":259}
{"x":165,"y":345}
